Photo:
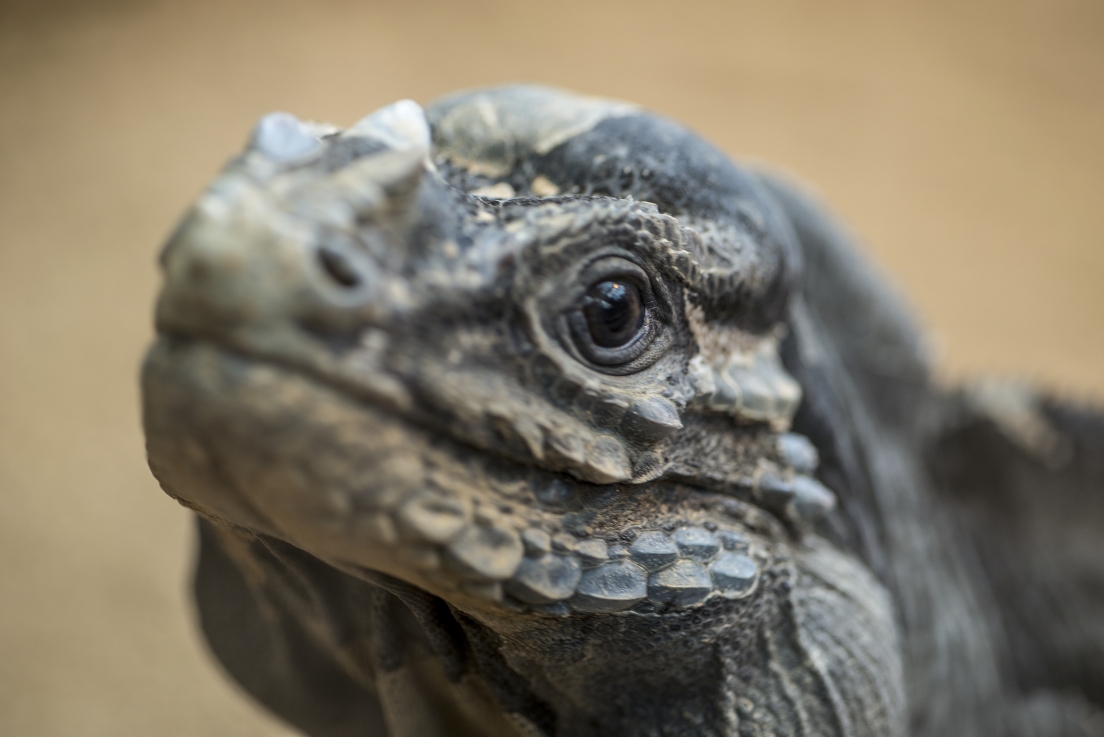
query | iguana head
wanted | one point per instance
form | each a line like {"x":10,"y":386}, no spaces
{"x":521,"y":352}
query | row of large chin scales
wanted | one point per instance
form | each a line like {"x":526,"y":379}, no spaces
{"x":550,"y":569}
{"x":655,"y":573}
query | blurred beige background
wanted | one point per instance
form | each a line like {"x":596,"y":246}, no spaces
{"x":963,"y":141}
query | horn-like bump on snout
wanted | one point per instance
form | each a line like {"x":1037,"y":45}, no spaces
{"x":284,"y":138}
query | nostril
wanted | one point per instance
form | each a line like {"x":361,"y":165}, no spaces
{"x":199,"y":270}
{"x":338,"y":267}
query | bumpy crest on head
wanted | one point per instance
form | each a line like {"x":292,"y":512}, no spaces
{"x":735,"y":253}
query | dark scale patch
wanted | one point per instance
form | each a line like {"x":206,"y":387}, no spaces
{"x":686,"y":176}
{"x":512,"y":693}
{"x":460,"y":178}
{"x":690,"y":179}
{"x":712,"y":451}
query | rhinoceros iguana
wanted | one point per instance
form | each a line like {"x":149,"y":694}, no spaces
{"x":533,"y":414}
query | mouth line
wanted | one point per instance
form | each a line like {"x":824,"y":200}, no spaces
{"x":614,"y":553}
{"x":771,"y":499}
{"x":397,"y":407}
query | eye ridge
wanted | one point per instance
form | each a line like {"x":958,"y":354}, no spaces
{"x":614,"y":312}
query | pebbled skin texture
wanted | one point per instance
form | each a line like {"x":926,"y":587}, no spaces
{"x":432,"y":502}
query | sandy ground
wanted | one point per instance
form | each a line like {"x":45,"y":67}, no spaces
{"x":963,"y":142}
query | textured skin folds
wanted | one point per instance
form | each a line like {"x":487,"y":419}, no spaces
{"x":431,"y":504}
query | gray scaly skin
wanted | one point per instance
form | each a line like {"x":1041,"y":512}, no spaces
{"x":532,"y":414}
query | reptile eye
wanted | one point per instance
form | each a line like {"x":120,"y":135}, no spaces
{"x":614,"y":313}
{"x":615,"y":321}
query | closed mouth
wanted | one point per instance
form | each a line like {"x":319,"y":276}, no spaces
{"x":295,"y":456}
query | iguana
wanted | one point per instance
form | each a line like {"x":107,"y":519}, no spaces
{"x":534,"y":414}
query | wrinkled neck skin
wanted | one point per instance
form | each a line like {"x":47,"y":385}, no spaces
{"x":371,"y":358}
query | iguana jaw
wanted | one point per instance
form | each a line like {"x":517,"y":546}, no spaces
{"x":410,"y":418}
{"x":266,"y":448}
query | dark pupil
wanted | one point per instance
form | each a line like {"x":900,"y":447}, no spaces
{"x":614,"y":313}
